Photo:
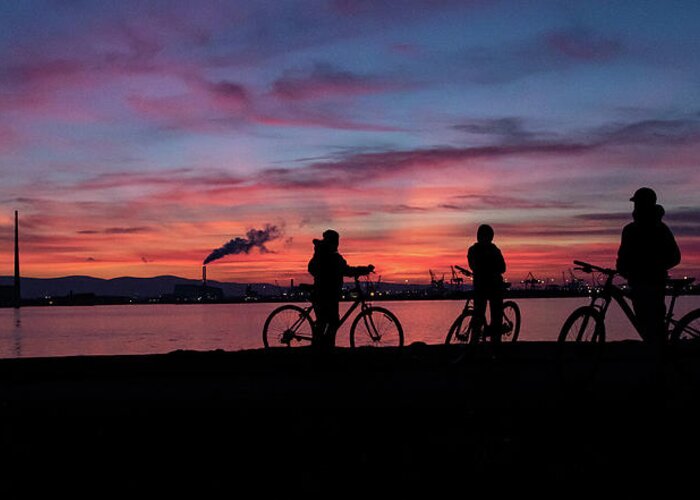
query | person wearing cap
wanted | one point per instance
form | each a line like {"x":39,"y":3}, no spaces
{"x":648,"y":250}
{"x":328,"y":268}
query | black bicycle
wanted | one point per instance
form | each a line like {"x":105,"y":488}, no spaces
{"x":292,"y":325}
{"x":469,"y":328}
{"x":587,"y":323}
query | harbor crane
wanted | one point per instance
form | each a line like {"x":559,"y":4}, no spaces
{"x":531,"y":281}
{"x":434,"y":281}
{"x":456,"y":280}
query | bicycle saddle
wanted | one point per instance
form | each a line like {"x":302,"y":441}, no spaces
{"x":306,"y":287}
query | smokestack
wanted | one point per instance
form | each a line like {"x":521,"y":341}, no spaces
{"x":204,"y":276}
{"x":18,"y":294}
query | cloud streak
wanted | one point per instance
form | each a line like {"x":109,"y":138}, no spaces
{"x":359,"y":168}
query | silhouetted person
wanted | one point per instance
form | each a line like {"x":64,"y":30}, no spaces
{"x":647,"y":251}
{"x":487,"y":264}
{"x":328,"y":268}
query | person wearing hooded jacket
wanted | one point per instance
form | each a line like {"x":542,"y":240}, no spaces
{"x":328,"y":267}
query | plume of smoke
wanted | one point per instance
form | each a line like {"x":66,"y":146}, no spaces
{"x":255,"y":238}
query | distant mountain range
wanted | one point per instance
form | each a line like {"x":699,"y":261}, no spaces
{"x":145,"y":288}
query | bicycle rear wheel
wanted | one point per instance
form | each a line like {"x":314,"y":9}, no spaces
{"x":687,"y":329}
{"x":288,"y":326}
{"x":377,"y":327}
{"x":685,"y":346}
{"x":511,"y":321}
{"x":463,"y":329}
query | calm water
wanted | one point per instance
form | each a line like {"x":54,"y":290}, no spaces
{"x":161,"y":328}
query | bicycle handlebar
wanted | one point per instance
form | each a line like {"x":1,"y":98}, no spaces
{"x":588,"y":268}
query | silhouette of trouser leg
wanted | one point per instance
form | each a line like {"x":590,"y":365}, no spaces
{"x":495,"y":299}
{"x":649,"y":303}
{"x":319,"y":326}
{"x":480,"y":299}
{"x":327,"y":320}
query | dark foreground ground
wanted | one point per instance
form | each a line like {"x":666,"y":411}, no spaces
{"x":433,"y":419}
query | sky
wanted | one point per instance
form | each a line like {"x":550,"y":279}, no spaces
{"x":137,"y":137}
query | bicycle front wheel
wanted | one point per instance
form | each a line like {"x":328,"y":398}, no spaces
{"x":462,"y":330}
{"x":580,"y":345}
{"x":583,"y":325}
{"x":377,"y":327}
{"x":688,"y":328}
{"x":288,"y":326}
{"x":511,"y":321}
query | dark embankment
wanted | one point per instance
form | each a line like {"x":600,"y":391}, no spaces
{"x":405,"y":420}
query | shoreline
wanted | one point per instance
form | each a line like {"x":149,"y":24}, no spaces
{"x":97,"y":300}
{"x":414,"y":412}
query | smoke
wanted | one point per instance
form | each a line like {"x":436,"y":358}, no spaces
{"x":255,"y":238}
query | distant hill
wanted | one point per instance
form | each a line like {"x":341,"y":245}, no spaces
{"x":146,"y":288}
{"x":137,"y":288}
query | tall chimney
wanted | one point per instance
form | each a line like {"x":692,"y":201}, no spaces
{"x":204,"y":276}
{"x":18,"y":294}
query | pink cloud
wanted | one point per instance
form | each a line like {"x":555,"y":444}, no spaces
{"x":170,"y":178}
{"x":9,"y":140}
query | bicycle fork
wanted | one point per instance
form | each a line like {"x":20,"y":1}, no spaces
{"x":371,"y":327}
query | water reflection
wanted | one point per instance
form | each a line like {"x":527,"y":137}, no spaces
{"x":161,"y":328}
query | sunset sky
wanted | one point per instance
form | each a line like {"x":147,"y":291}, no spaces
{"x":138,"y":136}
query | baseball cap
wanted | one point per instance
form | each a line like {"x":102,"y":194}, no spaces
{"x":644,"y":195}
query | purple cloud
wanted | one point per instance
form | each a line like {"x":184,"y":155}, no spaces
{"x":325,"y":81}
{"x":583,"y":45}
{"x":551,"y":51}
{"x":357,"y":168}
{"x":117,"y":230}
{"x":487,"y":201}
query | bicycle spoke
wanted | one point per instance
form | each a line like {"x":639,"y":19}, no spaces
{"x":376,"y":327}
{"x":287,"y":326}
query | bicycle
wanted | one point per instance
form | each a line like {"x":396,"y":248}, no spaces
{"x":292,"y":325}
{"x":467,"y":328}
{"x":587,"y":323}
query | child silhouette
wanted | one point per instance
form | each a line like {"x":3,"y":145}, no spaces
{"x":487,"y":265}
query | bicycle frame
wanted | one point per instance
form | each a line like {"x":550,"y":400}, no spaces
{"x":376,"y":325}
{"x":612,"y":292}
{"x":360,"y":301}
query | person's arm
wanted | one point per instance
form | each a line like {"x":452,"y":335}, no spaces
{"x":623,"y":258}
{"x":500,"y":262}
{"x":471,"y":259}
{"x":313,"y":266}
{"x":354,"y":271}
{"x":673,"y":253}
